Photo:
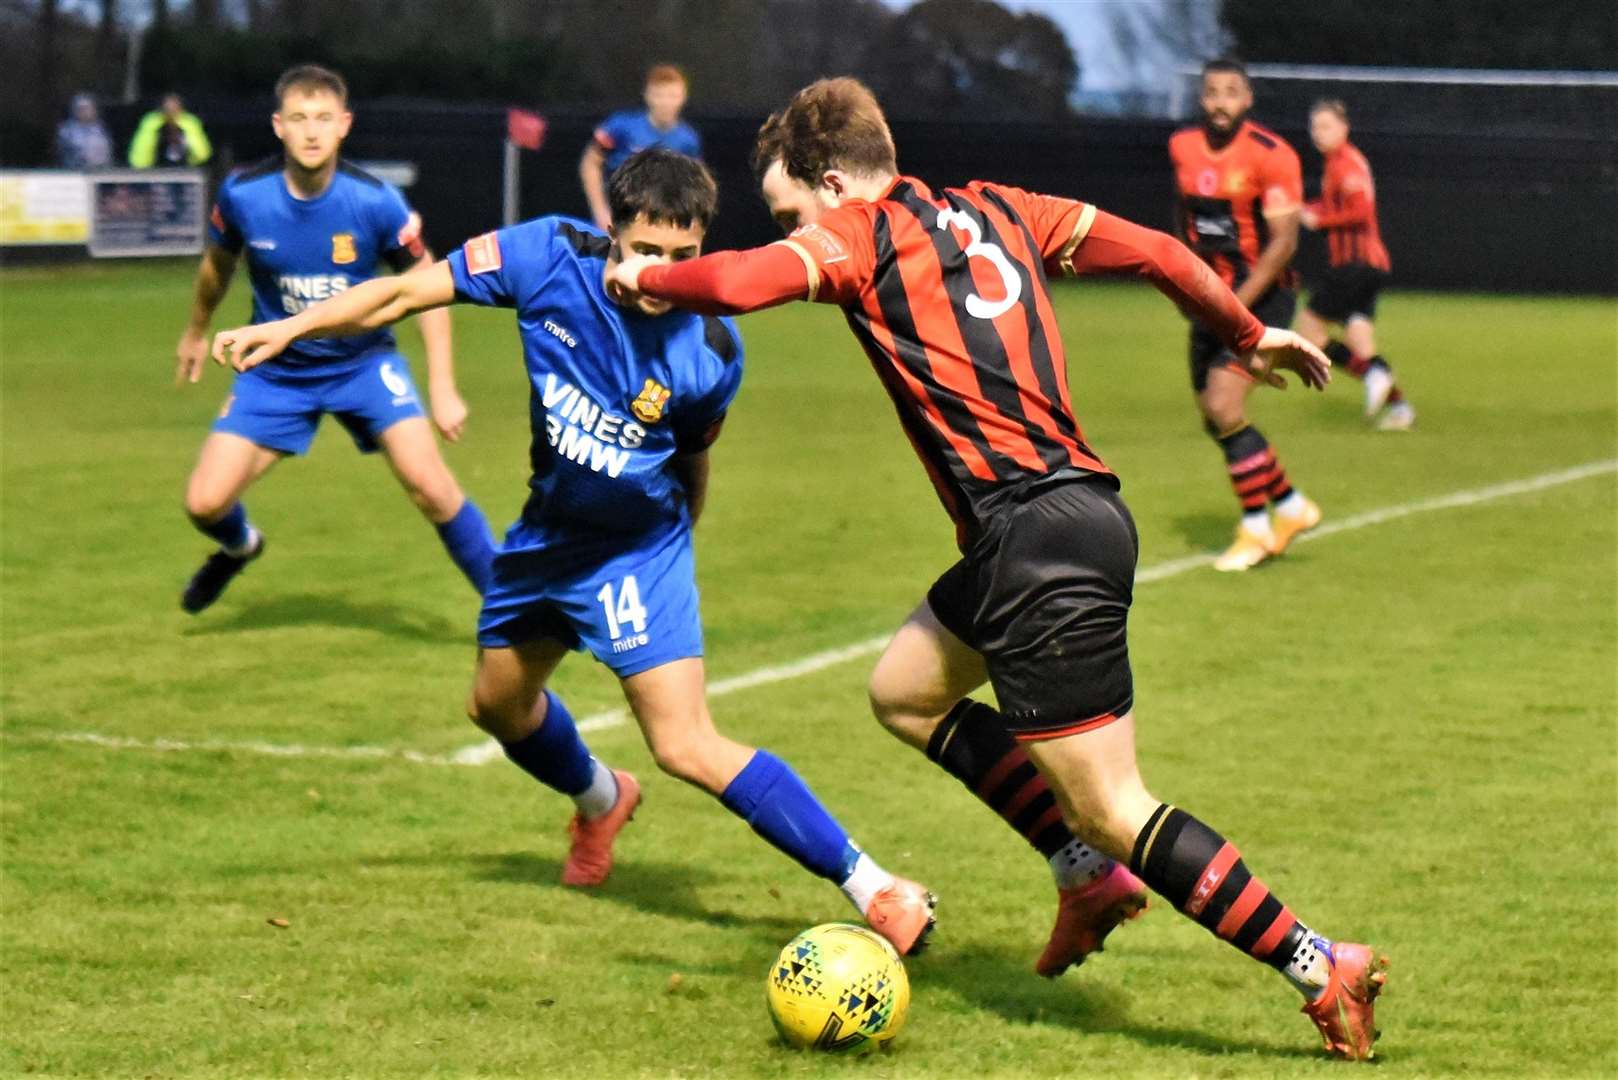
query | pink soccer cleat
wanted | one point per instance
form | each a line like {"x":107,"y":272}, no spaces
{"x":1345,"y":1013}
{"x":1087,"y":914}
{"x":903,"y":913}
{"x":589,"y":860}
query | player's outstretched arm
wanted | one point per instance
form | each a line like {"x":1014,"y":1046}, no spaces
{"x":449,"y":411}
{"x":724,"y":283}
{"x":1282,"y":350}
{"x":218,"y":266}
{"x":367,"y":306}
{"x":1113,"y":245}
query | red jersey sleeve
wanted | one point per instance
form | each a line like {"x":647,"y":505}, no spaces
{"x":1348,"y":185}
{"x":729,"y":282}
{"x":1058,"y":225}
{"x":1282,"y":178}
{"x":1116,"y":246}
{"x":838,"y":253}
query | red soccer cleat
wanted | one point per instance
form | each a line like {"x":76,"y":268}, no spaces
{"x":1345,"y":1012}
{"x":1086,"y":915}
{"x":903,"y":913}
{"x":589,"y":860}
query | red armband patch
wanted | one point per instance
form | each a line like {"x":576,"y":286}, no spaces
{"x":410,"y":236}
{"x":830,"y":249}
{"x":482,"y":254}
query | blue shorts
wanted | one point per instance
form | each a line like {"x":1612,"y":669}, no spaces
{"x":632,"y":603}
{"x":279,"y":406}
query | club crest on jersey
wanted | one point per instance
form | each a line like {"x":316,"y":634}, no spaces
{"x":342,"y":248}
{"x":648,"y":406}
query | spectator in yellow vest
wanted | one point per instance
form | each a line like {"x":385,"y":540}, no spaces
{"x":168,"y":136}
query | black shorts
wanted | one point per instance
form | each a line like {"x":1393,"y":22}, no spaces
{"x":1045,"y":598}
{"x":1346,"y":291}
{"x":1274,"y":308}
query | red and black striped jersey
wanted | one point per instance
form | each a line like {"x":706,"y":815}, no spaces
{"x":1227,"y":195}
{"x":948,"y":294}
{"x":1347,"y":211}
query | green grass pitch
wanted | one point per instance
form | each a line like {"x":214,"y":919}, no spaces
{"x":1408,"y":727}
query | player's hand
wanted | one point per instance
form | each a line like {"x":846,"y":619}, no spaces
{"x":1309,"y":219}
{"x":623,"y":280}
{"x":192,"y":356}
{"x":1282,"y":350}
{"x":449,"y":411}
{"x":249,"y":346}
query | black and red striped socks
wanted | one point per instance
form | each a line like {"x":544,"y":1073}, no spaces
{"x":973,"y":745}
{"x":1203,"y":875}
{"x":1256,"y":475}
{"x":1343,"y":357}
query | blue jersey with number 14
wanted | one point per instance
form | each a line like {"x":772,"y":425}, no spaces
{"x":614,"y":395}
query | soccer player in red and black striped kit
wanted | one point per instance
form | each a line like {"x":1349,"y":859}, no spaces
{"x":1346,"y":213}
{"x":947,"y":292}
{"x":1240,"y":191}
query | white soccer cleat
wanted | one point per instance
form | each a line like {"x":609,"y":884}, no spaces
{"x":1378,"y":385}
{"x":1247,"y":551}
{"x":1399,"y":417}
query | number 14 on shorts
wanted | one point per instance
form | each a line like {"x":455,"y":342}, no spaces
{"x":624,"y":611}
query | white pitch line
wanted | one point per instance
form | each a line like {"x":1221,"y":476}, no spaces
{"x":481,"y":753}
{"x":291,"y":750}
{"x":485,"y":752}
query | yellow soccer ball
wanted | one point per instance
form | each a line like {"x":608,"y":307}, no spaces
{"x":838,"y":987}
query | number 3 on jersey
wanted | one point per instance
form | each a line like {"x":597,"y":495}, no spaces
{"x":976,"y":306}
{"x":625,"y":610}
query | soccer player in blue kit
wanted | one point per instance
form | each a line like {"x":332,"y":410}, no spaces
{"x":632,"y":130}
{"x":624,"y":402}
{"x":312,"y":226}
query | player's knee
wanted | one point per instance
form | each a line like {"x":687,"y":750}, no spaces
{"x":435,"y":493}
{"x":688,"y":754}
{"x":499,"y":715}
{"x":901,"y":718}
{"x":1220,"y":415}
{"x":680,"y":757}
{"x":205,"y":502}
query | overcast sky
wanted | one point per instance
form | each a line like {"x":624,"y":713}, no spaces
{"x":1089,"y":27}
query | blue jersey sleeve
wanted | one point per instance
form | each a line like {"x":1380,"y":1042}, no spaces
{"x":689,"y":142}
{"x":698,"y":421}
{"x":612,"y":132}
{"x":504,"y":268}
{"x":223,"y":228}
{"x":397,"y":229}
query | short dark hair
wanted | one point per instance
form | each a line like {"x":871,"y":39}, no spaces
{"x":829,"y":124}
{"x":1225,"y":64}
{"x":310,"y":78}
{"x":665,"y":187}
{"x":1331,"y":105}
{"x":660,"y":74}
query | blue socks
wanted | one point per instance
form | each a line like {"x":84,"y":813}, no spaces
{"x":771,"y":798}
{"x":466,"y":538}
{"x":231,"y":531}
{"x":555,"y":755}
